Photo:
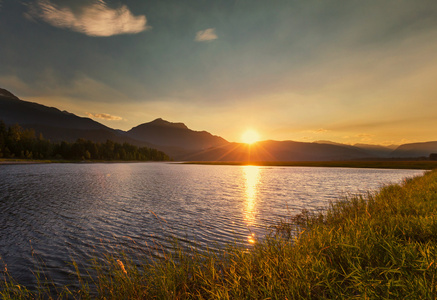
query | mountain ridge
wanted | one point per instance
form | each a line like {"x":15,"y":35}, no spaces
{"x":165,"y":133}
{"x":183,"y":143}
{"x":7,"y":94}
{"x":422,"y":149}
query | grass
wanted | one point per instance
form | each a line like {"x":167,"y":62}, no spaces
{"x":377,"y":246}
{"x":379,"y":164}
{"x":23,"y":161}
{"x":19,"y":161}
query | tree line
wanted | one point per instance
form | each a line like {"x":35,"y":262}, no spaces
{"x":18,"y":142}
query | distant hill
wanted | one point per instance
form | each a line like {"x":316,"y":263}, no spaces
{"x":177,"y":135}
{"x":415,"y":150}
{"x":376,"y":150}
{"x":279,"y":151}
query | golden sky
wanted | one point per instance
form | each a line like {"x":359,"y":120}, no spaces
{"x":344,"y":71}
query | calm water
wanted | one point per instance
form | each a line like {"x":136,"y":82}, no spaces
{"x":58,"y":212}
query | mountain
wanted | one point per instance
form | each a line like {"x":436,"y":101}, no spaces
{"x":54,"y":124}
{"x":175,"y":138}
{"x":376,"y":150}
{"x":6,"y":94}
{"x":279,"y":151}
{"x":415,"y":150}
{"x":182,"y":143}
{"x":333,"y":143}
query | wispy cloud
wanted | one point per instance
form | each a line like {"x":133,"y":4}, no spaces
{"x":95,"y":19}
{"x":206,"y":35}
{"x":365,"y":137}
{"x":317,"y":131}
{"x":104,"y":117}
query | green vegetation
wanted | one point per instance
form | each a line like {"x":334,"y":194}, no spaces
{"x":16,"y":142}
{"x":379,"y":164}
{"x":378,"y":246}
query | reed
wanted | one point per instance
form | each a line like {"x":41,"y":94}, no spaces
{"x":377,"y":246}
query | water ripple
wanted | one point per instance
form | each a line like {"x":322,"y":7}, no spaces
{"x":58,"y":212}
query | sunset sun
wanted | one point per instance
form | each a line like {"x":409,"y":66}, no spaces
{"x":250,"y":136}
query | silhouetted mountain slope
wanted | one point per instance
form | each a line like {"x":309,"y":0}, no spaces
{"x":333,"y":143}
{"x":182,"y":143}
{"x":54,"y":124}
{"x":176,"y":135}
{"x":278,"y":151}
{"x":415,"y":150}
{"x":27,"y":113}
{"x":6,"y":94}
{"x":373,"y":150}
{"x":376,"y":150}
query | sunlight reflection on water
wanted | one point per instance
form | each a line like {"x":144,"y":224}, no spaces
{"x":77,"y":210}
{"x":251,"y":175}
{"x":252,"y":178}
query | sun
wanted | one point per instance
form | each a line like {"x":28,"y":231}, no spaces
{"x":250,"y":136}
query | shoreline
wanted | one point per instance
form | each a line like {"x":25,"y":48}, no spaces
{"x":376,"y":164}
{"x":34,"y":162}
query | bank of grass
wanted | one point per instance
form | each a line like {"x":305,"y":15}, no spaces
{"x":12,"y":161}
{"x":23,"y":161}
{"x":378,"y":164}
{"x":377,"y":246}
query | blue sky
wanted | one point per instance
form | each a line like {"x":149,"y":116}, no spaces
{"x":345,"y":71}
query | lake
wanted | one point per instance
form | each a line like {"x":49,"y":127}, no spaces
{"x":53,"y":213}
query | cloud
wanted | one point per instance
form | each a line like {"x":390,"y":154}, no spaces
{"x":320,"y":130}
{"x":95,"y":19}
{"x":206,"y":35}
{"x":365,"y":137}
{"x":104,"y":117}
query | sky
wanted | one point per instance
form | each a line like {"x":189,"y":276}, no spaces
{"x":344,"y":71}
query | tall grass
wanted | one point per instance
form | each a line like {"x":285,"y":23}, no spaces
{"x":376,"y":246}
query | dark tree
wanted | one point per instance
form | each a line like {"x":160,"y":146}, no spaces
{"x":18,"y":142}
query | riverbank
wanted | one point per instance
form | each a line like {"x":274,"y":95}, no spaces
{"x":384,"y":164}
{"x":10,"y":161}
{"x":380,"y":164}
{"x":378,"y":246}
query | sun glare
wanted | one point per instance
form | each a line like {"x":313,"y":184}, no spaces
{"x":250,"y":136}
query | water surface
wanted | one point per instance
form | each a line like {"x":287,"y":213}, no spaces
{"x":58,"y":212}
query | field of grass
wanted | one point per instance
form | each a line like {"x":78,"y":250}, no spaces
{"x":383,"y":164}
{"x":377,"y":246}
